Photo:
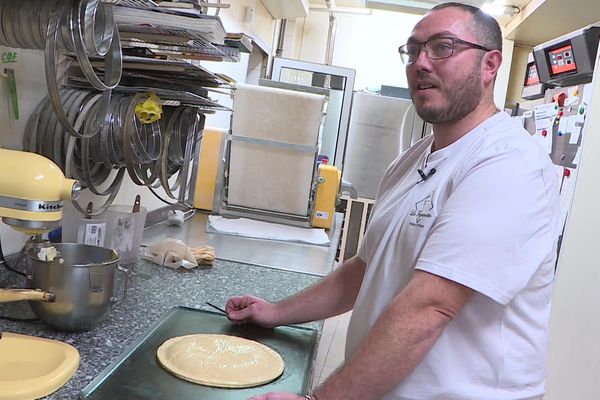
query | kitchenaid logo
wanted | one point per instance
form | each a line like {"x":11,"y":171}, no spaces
{"x":50,"y":206}
{"x":422,"y":210}
{"x":30,"y":205}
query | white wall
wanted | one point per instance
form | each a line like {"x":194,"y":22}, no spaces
{"x":369,"y":44}
{"x":501,"y":86}
{"x":574,"y":362}
{"x":310,"y":37}
{"x":517,"y":75}
{"x":31,"y":88}
{"x":261,"y":25}
{"x":366,"y":43}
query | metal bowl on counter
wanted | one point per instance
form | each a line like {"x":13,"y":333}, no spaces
{"x":82,"y":277}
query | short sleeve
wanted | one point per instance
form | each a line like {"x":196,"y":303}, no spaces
{"x":496,"y":227}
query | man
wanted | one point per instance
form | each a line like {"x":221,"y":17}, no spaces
{"x":452,"y":284}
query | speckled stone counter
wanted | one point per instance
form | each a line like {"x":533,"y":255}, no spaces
{"x":152,"y":291}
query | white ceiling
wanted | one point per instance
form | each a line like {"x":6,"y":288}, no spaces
{"x":544,"y":20}
{"x":415,"y":6}
{"x":537,"y":22}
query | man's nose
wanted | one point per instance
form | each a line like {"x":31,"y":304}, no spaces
{"x":423,"y":61}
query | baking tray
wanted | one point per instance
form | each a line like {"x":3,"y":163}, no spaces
{"x":136,"y":374}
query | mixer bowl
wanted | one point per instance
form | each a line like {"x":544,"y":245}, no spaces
{"x":83,"y":279}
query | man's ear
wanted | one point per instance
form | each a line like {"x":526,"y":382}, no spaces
{"x":490,"y":66}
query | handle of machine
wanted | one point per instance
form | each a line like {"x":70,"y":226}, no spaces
{"x":349,"y":188}
{"x":136,"y":204}
{"x":126,"y":272}
{"x":7,"y":295}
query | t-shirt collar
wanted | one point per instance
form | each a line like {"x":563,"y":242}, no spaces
{"x":469,"y":137}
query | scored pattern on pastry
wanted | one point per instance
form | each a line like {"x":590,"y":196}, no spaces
{"x":220,"y":360}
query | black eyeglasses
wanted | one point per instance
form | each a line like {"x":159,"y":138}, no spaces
{"x":436,"y":48}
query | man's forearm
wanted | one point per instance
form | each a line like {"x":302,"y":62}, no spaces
{"x":334,"y":295}
{"x":390,"y":352}
{"x":395,"y":345}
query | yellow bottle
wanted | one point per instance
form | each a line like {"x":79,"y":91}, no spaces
{"x":328,"y":187}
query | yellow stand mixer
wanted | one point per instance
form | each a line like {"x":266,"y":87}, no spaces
{"x":32,"y":191}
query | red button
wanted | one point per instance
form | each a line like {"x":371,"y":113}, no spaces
{"x":544,"y":132}
{"x":567,"y":172}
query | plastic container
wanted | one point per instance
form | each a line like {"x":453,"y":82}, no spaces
{"x":118,"y":228}
{"x":78,"y":229}
{"x":124,"y":231}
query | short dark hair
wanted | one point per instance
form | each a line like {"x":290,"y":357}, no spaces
{"x":485,"y":27}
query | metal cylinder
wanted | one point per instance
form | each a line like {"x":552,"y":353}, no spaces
{"x":330,"y":36}
{"x":281,"y":38}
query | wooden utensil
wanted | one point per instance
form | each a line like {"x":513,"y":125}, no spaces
{"x":7,"y":295}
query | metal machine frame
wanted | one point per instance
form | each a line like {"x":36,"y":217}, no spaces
{"x":270,"y":216}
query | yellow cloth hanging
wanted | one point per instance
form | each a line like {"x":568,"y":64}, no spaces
{"x":150,"y":110}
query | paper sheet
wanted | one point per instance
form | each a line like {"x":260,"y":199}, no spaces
{"x":567,"y":190}
{"x":545,"y":116}
{"x":266,"y":230}
{"x":572,"y":98}
{"x":577,"y":157}
{"x":574,"y":127}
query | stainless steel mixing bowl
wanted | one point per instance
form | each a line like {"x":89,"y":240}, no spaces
{"x":84,"y":284}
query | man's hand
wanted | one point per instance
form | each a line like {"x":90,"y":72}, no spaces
{"x":244,"y":309}
{"x":277,"y":396}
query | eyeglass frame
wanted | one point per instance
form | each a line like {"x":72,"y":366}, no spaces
{"x":455,"y":40}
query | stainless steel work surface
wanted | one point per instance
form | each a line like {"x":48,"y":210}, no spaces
{"x":136,"y":374}
{"x":291,"y":256}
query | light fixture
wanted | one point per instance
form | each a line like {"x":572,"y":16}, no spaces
{"x":499,"y":9}
{"x":341,"y":10}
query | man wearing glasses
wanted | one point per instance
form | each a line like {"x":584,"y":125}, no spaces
{"x":452,"y":284}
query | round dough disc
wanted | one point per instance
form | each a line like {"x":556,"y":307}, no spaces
{"x":220,"y":360}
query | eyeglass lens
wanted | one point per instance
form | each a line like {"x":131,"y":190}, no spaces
{"x":436,"y":49}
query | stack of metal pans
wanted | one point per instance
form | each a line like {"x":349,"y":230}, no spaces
{"x":154,"y":155}
{"x":91,"y":131}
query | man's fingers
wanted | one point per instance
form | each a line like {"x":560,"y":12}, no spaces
{"x":240,"y":315}
{"x":239,"y":302}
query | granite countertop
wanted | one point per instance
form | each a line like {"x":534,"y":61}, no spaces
{"x":152,"y":291}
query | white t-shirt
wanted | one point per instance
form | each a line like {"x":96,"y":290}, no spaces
{"x":487,"y":219}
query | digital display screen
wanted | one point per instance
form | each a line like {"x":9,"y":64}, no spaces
{"x":531,"y":75}
{"x":561,"y":60}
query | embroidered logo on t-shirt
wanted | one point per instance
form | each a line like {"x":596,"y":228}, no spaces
{"x":422,"y":210}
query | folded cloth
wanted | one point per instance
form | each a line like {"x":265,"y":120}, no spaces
{"x":266,"y":230}
{"x":173,"y":253}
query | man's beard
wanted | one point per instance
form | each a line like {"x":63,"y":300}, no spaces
{"x":462,"y":100}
